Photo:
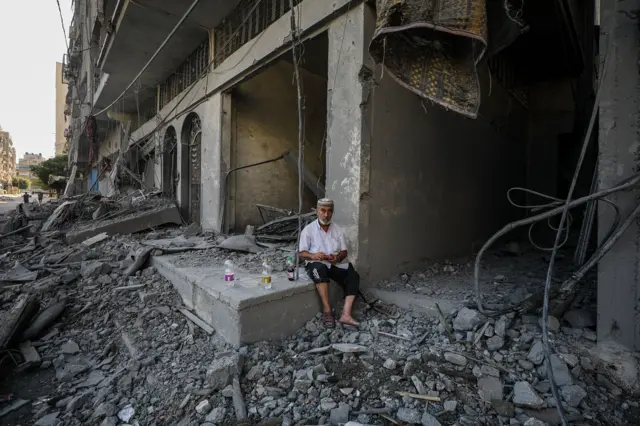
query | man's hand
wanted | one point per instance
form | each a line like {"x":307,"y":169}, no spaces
{"x":318,"y":256}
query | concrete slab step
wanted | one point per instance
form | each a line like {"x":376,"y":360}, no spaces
{"x":245,"y":312}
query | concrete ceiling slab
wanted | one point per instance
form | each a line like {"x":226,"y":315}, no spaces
{"x":138,"y":35}
{"x":208,"y":13}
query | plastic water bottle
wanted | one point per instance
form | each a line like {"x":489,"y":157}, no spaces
{"x":266,"y":274}
{"x":229,"y":274}
{"x":291,"y":271}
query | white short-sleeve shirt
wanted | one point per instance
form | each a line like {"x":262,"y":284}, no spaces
{"x":315,"y":240}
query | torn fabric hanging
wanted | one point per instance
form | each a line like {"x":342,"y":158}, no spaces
{"x":432,"y":47}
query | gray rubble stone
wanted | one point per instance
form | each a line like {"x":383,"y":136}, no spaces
{"x":573,"y":394}
{"x":494,"y":343}
{"x":70,"y":370}
{"x":501,"y":326}
{"x":227,"y":392}
{"x":580,"y":318}
{"x":255,"y":373}
{"x":216,"y":416}
{"x":70,"y":348}
{"x":49,"y":420}
{"x":525,"y":396}
{"x":490,"y":388}
{"x":106,"y":409}
{"x":429,"y":420}
{"x":77,"y":402}
{"x":503,"y":408}
{"x":148,"y":297}
{"x":450,"y":405}
{"x":203,"y":407}
{"x":561,"y":373}
{"x":536,"y":353}
{"x":327,"y":404}
{"x":534,"y":422}
{"x":94,"y":269}
{"x":455,"y":359}
{"x":570,"y":359}
{"x":109,"y":421}
{"x":223,"y":368}
{"x":390,"y":364}
{"x":527,"y":365}
{"x":339,"y":415}
{"x":409,"y":415}
{"x":467,"y":319}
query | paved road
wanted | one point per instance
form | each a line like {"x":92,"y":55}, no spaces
{"x":6,"y":206}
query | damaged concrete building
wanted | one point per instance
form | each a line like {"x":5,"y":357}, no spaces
{"x":416,"y":175}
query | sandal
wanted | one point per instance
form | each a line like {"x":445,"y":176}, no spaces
{"x":327,"y":320}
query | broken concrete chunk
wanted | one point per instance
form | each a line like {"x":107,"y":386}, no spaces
{"x":29,"y":353}
{"x":49,"y":420}
{"x":93,"y":269}
{"x":390,"y":364}
{"x":429,"y":420}
{"x":525,"y":396}
{"x":561,"y":373}
{"x":222,"y":370}
{"x":467,"y":319}
{"x":408,"y":415}
{"x":573,"y":394}
{"x":503,"y":408}
{"x":148,"y":297}
{"x":490,"y":388}
{"x":455,"y":359}
{"x":536,"y":353}
{"x":203,"y":407}
{"x":339,"y":415}
{"x":494,"y":343}
{"x":70,"y":348}
{"x":216,"y":416}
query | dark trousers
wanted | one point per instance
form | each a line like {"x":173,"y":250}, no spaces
{"x":347,"y":279}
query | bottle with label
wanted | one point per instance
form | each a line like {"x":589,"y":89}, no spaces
{"x":291,"y":271}
{"x":229,"y":273}
{"x":266,"y":274}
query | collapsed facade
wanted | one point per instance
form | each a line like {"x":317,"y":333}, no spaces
{"x":411,"y":180}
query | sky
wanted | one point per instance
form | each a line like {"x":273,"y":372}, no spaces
{"x":31,"y":42}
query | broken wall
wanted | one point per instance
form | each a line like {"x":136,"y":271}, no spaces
{"x":266,"y":126}
{"x":438,"y":179}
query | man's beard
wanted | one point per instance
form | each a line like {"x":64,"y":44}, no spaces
{"x":324,"y":222}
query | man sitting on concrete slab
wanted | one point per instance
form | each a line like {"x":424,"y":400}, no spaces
{"x":323,"y":247}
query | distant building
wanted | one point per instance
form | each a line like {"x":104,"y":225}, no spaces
{"x":61,"y":110}
{"x":25,"y":163}
{"x":7,"y":158}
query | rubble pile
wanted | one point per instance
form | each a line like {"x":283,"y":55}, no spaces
{"x":118,"y":347}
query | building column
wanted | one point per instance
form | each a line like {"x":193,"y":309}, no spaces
{"x":348,"y":141}
{"x":619,"y":270}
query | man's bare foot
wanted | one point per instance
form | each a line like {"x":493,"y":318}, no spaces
{"x":348,"y":320}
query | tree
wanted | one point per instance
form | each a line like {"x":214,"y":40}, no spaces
{"x":54,"y":166}
{"x":20,"y":182}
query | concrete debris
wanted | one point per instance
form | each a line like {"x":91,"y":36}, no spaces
{"x":409,"y":415}
{"x":455,"y":359}
{"x":573,"y":394}
{"x":222,"y":370}
{"x":70,"y":348}
{"x":525,"y":396}
{"x":467,"y":319}
{"x":128,"y":349}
